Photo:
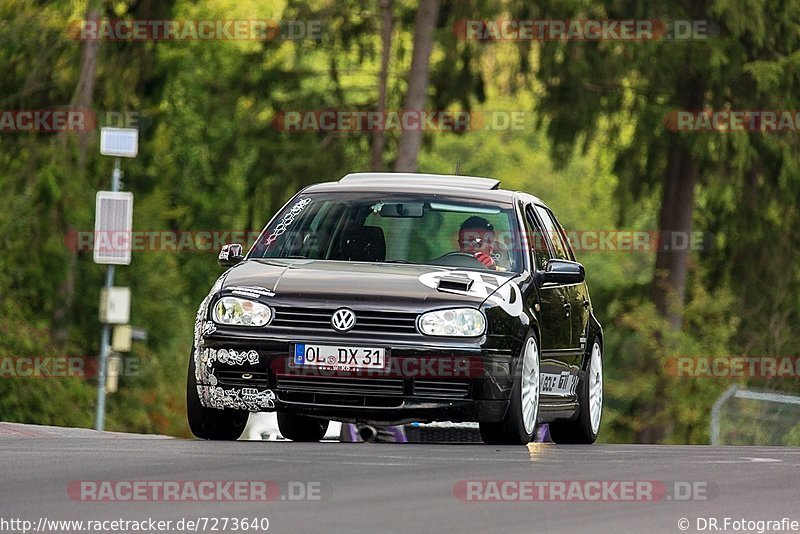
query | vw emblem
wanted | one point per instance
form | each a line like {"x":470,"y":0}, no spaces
{"x":343,"y":320}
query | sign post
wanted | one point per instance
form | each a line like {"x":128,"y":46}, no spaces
{"x":113,"y":218}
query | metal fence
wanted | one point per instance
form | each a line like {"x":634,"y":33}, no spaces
{"x":746,"y":417}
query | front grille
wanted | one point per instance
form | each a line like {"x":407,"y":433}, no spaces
{"x":451,"y":389}
{"x":343,"y":385}
{"x":236,"y":378}
{"x":331,"y":399}
{"x":367,"y":322}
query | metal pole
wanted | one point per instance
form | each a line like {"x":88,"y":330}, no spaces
{"x":105,"y":347}
{"x":725,"y":397}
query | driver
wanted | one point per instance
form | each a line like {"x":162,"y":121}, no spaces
{"x":476,"y":237}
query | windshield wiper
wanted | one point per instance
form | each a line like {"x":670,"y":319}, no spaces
{"x":396,"y":261}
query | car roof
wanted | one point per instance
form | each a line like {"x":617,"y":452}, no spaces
{"x":473,"y":187}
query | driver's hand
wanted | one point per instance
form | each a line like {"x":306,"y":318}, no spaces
{"x":485,"y":259}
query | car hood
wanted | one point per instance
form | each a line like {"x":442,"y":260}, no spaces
{"x":401,"y":286}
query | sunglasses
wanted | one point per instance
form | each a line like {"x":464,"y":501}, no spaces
{"x":476,"y":241}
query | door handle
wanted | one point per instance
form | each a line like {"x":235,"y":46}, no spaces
{"x":585,"y":303}
{"x":567,"y":307}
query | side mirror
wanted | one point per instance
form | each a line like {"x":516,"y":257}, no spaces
{"x":563,"y":272}
{"x":230,"y":255}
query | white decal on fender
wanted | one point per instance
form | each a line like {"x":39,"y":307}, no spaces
{"x":251,"y":291}
{"x":498,"y":289}
{"x":199,"y":323}
{"x":249,"y":399}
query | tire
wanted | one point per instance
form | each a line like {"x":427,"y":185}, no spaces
{"x":301,"y":428}
{"x":519,"y":424}
{"x":210,"y":423}
{"x":585,"y":427}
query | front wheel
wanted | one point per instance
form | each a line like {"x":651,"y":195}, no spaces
{"x":519,"y":423}
{"x":210,"y":423}
{"x":585,"y":427}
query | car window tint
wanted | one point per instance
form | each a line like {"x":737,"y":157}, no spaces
{"x":564,"y":237}
{"x":435,"y":234}
{"x":552,"y":230}
{"x":541,"y":253}
{"x":368,"y":227}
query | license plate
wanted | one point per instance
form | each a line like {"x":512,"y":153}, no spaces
{"x":340,"y":358}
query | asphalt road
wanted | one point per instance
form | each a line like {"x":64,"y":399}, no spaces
{"x":368,"y":488}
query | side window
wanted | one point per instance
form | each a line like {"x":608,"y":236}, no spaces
{"x":564,"y":237}
{"x":553,"y":231}
{"x":537,"y":242}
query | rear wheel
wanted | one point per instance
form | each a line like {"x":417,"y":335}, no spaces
{"x":210,"y":423}
{"x":301,"y":428}
{"x":585,"y":427}
{"x":519,"y":423}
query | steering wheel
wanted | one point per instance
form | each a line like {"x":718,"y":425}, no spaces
{"x":459,"y":254}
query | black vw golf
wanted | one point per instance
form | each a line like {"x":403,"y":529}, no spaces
{"x":390,"y":298}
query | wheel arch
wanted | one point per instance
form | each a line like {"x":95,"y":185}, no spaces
{"x":593,"y":330}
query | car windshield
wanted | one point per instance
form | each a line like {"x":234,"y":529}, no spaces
{"x":394,"y":228}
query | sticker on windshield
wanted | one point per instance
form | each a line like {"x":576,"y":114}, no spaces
{"x":498,"y":289}
{"x":286,"y":221}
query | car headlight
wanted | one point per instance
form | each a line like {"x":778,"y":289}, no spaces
{"x":241,"y":312}
{"x":464,"y":322}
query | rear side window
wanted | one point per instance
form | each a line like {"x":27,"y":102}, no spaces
{"x":557,"y":237}
{"x":537,"y":242}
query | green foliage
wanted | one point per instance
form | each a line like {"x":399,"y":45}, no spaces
{"x":643,"y":390}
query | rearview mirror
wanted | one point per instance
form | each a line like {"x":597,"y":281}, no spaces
{"x":230,"y":255}
{"x":402,"y":209}
{"x":563,"y":272}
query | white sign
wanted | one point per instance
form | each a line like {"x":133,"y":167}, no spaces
{"x":120,"y":142}
{"x":115,"y":305}
{"x":113,"y":224}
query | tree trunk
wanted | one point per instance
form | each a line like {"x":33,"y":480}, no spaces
{"x":84,"y":92}
{"x":81,"y":100}
{"x":668,"y":288}
{"x":379,"y":136}
{"x":424,"y":26}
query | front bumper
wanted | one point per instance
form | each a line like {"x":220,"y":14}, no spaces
{"x":426,"y":381}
